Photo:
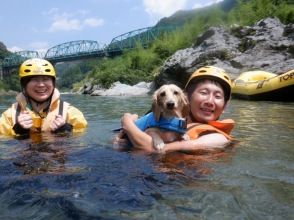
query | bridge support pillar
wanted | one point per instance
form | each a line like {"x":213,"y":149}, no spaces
{"x":1,"y":73}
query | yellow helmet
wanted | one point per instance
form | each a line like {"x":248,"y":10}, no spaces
{"x":36,"y":67}
{"x":215,"y":73}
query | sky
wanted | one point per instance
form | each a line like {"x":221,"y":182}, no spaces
{"x":41,"y":24}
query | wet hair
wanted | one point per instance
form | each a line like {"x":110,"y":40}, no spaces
{"x":192,"y":85}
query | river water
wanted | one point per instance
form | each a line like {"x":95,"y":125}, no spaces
{"x":82,"y":176}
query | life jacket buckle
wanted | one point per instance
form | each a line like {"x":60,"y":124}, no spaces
{"x":182,"y":123}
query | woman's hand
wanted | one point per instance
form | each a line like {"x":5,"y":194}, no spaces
{"x":25,"y":120}
{"x":57,"y":123}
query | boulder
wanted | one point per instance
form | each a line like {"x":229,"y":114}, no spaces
{"x":87,"y":88}
{"x":267,"y":45}
{"x":119,"y":89}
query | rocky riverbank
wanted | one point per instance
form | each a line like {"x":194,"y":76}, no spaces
{"x":267,"y":45}
{"x":118,"y":89}
{"x":2,"y":92}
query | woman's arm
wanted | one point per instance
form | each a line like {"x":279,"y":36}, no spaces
{"x":138,"y":138}
{"x":76,"y":119}
{"x":6,"y":123}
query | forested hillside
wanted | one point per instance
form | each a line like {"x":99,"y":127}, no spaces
{"x":3,"y":53}
{"x":143,"y":64}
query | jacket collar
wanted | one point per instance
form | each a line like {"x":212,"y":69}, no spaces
{"x":22,"y":100}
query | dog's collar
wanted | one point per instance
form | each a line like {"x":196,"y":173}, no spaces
{"x":174,"y":124}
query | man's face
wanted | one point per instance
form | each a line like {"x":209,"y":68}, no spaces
{"x":207,"y":101}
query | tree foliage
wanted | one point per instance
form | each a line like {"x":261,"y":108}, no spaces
{"x":3,"y":51}
{"x":142,"y":64}
{"x":12,"y":82}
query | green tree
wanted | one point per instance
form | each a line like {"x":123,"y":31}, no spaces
{"x":70,"y":76}
{"x":12,"y":82}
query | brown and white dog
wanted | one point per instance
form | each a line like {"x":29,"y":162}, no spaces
{"x":169,"y":101}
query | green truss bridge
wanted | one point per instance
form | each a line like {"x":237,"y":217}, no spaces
{"x":83,"y":49}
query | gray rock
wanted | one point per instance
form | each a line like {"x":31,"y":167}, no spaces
{"x":267,"y":45}
{"x":119,"y":89}
{"x":87,"y":88}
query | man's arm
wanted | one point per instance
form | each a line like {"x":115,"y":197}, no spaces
{"x":141,"y":140}
{"x":138,"y":138}
{"x":208,"y":142}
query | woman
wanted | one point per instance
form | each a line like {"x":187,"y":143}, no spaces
{"x":208,"y":90}
{"x":38,"y":107}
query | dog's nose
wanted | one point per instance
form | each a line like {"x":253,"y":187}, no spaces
{"x":170,"y":105}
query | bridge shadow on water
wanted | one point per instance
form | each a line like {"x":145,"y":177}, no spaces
{"x":60,"y":177}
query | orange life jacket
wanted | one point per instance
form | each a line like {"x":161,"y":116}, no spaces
{"x":223,"y":127}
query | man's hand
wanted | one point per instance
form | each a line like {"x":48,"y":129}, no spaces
{"x":127,"y":118}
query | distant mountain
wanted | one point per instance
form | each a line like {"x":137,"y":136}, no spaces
{"x":182,"y":16}
{"x":178,"y":18}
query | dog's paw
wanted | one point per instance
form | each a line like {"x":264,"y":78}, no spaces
{"x":159,"y":147}
{"x":158,"y":144}
{"x":185,"y":137}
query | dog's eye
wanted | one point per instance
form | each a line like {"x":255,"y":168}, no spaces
{"x":162,"y":94}
{"x":176,"y":92}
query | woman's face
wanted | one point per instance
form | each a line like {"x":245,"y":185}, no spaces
{"x":40,"y":88}
{"x":207,"y":101}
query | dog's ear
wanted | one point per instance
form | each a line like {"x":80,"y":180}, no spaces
{"x":155,"y":106}
{"x":186,"y":105}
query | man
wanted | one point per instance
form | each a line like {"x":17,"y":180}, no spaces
{"x":208,"y":90}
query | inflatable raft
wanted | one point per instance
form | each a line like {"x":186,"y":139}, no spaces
{"x":261,"y":85}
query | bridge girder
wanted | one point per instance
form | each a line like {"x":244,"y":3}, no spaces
{"x":73,"y":48}
{"x":16,"y":58}
{"x":143,"y":37}
{"x":88,"y":48}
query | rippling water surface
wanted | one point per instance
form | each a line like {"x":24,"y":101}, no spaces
{"x":83,"y":177}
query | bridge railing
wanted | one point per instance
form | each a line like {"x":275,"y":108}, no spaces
{"x":142,"y":37}
{"x":74,"y":48}
{"x":87,"y":48}
{"x":16,"y":58}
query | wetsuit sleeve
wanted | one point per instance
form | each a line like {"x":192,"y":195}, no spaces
{"x":6,"y":123}
{"x":75,"y":119}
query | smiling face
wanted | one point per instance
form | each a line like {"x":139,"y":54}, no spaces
{"x":40,"y":88}
{"x":207,"y":101}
